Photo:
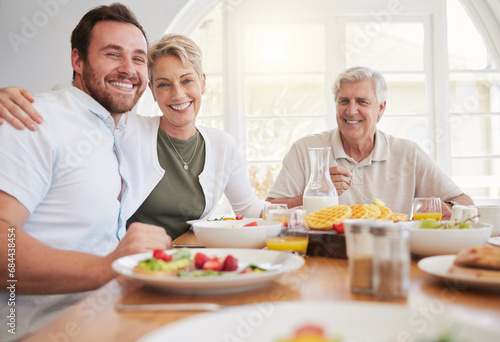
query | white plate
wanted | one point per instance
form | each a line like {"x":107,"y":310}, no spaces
{"x":352,"y":321}
{"x":439,"y":265}
{"x":277,"y":262}
{"x":247,"y":220}
{"x":494,"y":240}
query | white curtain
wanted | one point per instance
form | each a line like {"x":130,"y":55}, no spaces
{"x":486,"y":16}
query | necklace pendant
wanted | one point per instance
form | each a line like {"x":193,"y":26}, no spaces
{"x":186,"y":167}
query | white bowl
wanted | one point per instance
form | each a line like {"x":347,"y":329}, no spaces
{"x":232,"y":234}
{"x":428,"y":242}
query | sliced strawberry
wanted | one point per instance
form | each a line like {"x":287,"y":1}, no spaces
{"x":213,"y":258}
{"x":339,"y":227}
{"x":199,"y":260}
{"x":251,"y":224}
{"x":230,"y":264}
{"x":161,"y":255}
{"x":212,"y":265}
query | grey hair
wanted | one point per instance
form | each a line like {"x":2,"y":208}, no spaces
{"x":176,"y":45}
{"x":359,"y":73}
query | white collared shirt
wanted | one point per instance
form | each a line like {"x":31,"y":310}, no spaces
{"x":70,"y":174}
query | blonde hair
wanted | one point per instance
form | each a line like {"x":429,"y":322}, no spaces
{"x":176,"y":45}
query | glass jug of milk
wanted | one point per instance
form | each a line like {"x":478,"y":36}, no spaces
{"x":320,"y":191}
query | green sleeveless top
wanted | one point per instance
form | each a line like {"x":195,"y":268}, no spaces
{"x":178,"y":197}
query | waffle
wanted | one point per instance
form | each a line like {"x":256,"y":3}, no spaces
{"x":374,"y":211}
{"x":365,"y":211}
{"x":385,"y":213}
{"x":399,"y":217}
{"x":326,"y":217}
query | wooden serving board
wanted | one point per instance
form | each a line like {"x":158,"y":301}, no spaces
{"x":327,"y":243}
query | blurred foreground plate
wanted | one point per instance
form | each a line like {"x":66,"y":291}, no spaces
{"x":350,"y":321}
{"x":277,"y":262}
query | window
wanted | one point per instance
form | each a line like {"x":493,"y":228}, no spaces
{"x":474,"y":118}
{"x":270,"y":67}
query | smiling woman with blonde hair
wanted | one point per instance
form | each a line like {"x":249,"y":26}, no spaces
{"x":201,"y":163}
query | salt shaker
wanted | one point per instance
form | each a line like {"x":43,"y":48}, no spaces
{"x":391,"y":261}
{"x":359,"y":240}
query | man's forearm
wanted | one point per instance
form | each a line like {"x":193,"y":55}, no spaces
{"x":40,"y":269}
{"x":462,"y":199}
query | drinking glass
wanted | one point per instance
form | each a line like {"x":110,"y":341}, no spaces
{"x":271,"y":206}
{"x":293,"y":236}
{"x":427,"y":207}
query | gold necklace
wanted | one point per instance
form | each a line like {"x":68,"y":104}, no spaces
{"x":186,"y":167}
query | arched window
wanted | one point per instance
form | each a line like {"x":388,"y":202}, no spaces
{"x":270,"y":67}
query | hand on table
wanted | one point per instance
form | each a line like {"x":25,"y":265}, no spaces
{"x":141,"y":237}
{"x":16,"y":108}
{"x":341,"y":178}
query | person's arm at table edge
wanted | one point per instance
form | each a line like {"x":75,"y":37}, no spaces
{"x":16,"y":108}
{"x":461,"y":199}
{"x":40,"y":269}
{"x":291,"y":202}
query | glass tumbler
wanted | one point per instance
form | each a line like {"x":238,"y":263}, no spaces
{"x":427,"y":207}
{"x":294,"y":234}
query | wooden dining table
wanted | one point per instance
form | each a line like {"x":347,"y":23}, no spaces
{"x":95,"y":318}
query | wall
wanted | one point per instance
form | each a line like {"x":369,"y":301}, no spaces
{"x":35,"y":36}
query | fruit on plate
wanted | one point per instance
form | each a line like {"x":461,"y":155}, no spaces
{"x":429,"y":223}
{"x":223,"y":218}
{"x":339,"y":227}
{"x":180,"y":260}
{"x":435,"y":224}
{"x":251,"y":224}
{"x":310,"y":333}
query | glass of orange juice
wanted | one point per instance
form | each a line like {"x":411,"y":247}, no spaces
{"x":293,"y":236}
{"x":427,"y":207}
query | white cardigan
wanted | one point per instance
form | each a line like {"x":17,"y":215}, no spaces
{"x":224,"y":171}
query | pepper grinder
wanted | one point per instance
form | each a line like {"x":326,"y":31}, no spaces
{"x":391,"y":261}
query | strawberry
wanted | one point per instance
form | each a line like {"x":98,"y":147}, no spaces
{"x":230,"y":264}
{"x":213,"y":265}
{"x":199,"y":260}
{"x":161,"y":255}
{"x":310,"y":330}
{"x":238,"y":218}
{"x":339,"y":227}
{"x":251,"y":224}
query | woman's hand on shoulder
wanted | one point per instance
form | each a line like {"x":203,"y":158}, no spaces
{"x":16,"y":108}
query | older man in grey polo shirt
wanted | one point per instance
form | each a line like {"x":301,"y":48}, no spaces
{"x":392,"y":169}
